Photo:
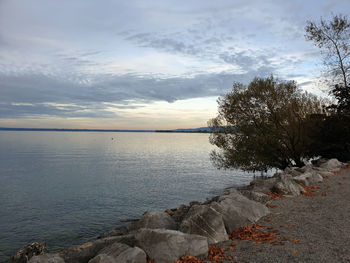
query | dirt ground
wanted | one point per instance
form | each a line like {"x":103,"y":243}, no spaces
{"x":300,"y":229}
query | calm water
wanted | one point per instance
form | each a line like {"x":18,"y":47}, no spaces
{"x":67,"y":187}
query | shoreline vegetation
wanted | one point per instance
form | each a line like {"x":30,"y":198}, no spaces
{"x":193,"y":233}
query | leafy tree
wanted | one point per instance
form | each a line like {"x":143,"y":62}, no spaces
{"x":330,"y":132}
{"x":262,"y":125}
{"x":333,"y":37}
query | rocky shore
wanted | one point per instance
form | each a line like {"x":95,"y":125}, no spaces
{"x":196,"y":232}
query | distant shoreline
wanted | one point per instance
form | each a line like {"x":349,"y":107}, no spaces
{"x":102,"y":130}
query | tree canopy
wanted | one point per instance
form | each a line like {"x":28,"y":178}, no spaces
{"x":262,"y":125}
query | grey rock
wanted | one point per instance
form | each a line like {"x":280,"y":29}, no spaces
{"x":85,"y":252}
{"x":293,"y":171}
{"x":309,"y":178}
{"x":120,"y":253}
{"x":27,"y":252}
{"x":123,"y":230}
{"x":194,"y":203}
{"x":306,"y":168}
{"x":180,"y":213}
{"x":205,"y":221}
{"x":153,"y":220}
{"x":168,"y":245}
{"x":46,"y":258}
{"x":263,"y":186}
{"x":256,"y":196}
{"x":325,"y":173}
{"x":332,"y":164}
{"x":287,"y":186}
{"x":237,"y":210}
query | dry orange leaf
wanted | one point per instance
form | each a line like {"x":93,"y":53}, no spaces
{"x":251,"y":232}
{"x":216,"y":254}
{"x":274,"y":195}
{"x":294,"y":252}
{"x":188,"y":259}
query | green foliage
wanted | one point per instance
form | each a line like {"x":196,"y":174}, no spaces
{"x":262,"y":126}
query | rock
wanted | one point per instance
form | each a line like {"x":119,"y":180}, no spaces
{"x":293,"y":171}
{"x":123,"y":230}
{"x":120,"y":253}
{"x":180,"y":213}
{"x":85,"y":252}
{"x":263,"y":186}
{"x":46,"y":258}
{"x":170,"y":212}
{"x":168,"y":245}
{"x":286,"y":186}
{"x":256,"y":196}
{"x":154,"y":219}
{"x":309,"y":178}
{"x":194,"y":203}
{"x":325,"y":174}
{"x":205,"y":221}
{"x":27,"y":252}
{"x":331,"y":164}
{"x":237,"y":210}
{"x":305,"y":168}
{"x":319,"y":162}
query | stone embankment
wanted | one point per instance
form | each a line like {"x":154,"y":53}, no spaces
{"x":163,"y":237}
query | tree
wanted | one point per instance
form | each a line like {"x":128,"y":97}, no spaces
{"x":262,"y":125}
{"x":333,"y":38}
{"x":330,"y":132}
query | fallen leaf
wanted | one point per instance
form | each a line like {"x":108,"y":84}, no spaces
{"x":294,"y":252}
{"x":274,"y":195}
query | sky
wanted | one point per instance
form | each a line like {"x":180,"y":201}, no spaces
{"x":142,"y":64}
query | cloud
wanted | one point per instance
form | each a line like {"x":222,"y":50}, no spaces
{"x":97,"y":59}
{"x":28,"y":95}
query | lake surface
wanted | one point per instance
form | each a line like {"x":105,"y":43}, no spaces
{"x":65,"y":188}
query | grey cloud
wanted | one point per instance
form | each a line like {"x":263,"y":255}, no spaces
{"x":27,"y":95}
{"x":10,"y":110}
{"x":164,"y":43}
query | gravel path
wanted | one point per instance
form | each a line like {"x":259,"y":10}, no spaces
{"x":309,"y":228}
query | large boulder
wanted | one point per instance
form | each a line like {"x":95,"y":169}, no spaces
{"x":120,"y":253}
{"x":154,"y":220}
{"x":332,"y":164}
{"x":309,"y":178}
{"x":262,"y":186}
{"x":205,"y":221}
{"x":237,"y":210}
{"x":85,"y":252}
{"x":165,"y":246}
{"x":27,"y":252}
{"x":285,"y":185}
{"x":46,"y":258}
